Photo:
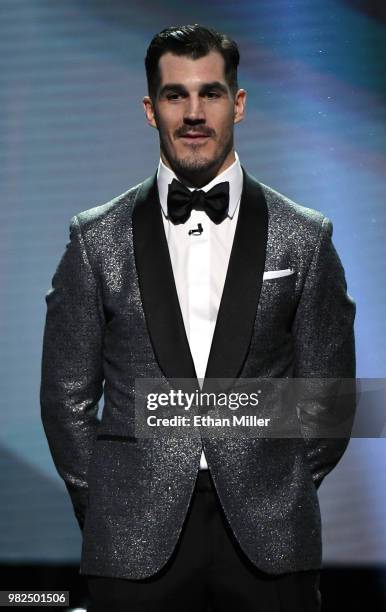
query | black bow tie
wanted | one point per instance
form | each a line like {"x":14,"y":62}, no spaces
{"x":181,"y":201}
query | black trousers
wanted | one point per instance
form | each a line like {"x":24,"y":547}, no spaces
{"x":207,"y":571}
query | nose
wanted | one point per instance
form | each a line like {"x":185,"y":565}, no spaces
{"x":194,"y":110}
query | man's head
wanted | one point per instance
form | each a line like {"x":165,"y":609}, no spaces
{"x":194,"y":100}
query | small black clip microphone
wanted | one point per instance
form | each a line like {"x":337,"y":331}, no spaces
{"x":197,"y":231}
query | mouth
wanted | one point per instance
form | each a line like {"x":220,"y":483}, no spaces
{"x":194,"y":137}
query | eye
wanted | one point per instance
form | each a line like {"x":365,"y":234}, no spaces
{"x":213,"y":94}
{"x":173,"y":96}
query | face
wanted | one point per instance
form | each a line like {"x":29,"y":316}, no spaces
{"x":194,"y":113}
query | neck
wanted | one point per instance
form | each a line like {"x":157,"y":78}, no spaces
{"x":199,"y":178}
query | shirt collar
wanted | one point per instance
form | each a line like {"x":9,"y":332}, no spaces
{"x":233,"y":174}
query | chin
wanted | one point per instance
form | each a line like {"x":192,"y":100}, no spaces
{"x":196,"y":163}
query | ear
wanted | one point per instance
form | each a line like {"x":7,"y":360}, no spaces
{"x":149,"y":111}
{"x":240,"y":105}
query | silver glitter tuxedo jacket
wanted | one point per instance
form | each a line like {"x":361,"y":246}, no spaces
{"x":113,"y":316}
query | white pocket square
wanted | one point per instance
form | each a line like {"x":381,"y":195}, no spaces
{"x":278,"y":273}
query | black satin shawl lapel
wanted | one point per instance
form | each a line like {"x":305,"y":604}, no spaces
{"x":157,"y":286}
{"x":238,"y":307}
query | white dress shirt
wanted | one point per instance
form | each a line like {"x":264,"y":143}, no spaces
{"x":200,"y":263}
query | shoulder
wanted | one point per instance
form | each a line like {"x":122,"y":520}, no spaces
{"x":107,"y":212}
{"x":298,"y":221}
{"x":105,"y":226}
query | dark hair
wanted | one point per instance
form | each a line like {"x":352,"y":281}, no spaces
{"x":194,"y":41}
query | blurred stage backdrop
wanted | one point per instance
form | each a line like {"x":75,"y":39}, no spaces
{"x":73,"y":135}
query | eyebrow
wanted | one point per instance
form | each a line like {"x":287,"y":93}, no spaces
{"x":178,"y":88}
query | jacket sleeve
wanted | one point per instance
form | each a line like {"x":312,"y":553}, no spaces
{"x":72,"y":367}
{"x":324,"y":345}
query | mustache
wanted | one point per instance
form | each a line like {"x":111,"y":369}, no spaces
{"x":185,"y":129}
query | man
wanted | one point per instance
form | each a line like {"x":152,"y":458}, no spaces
{"x":199,"y":272}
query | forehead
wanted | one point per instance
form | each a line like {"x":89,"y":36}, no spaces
{"x":185,"y":70}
